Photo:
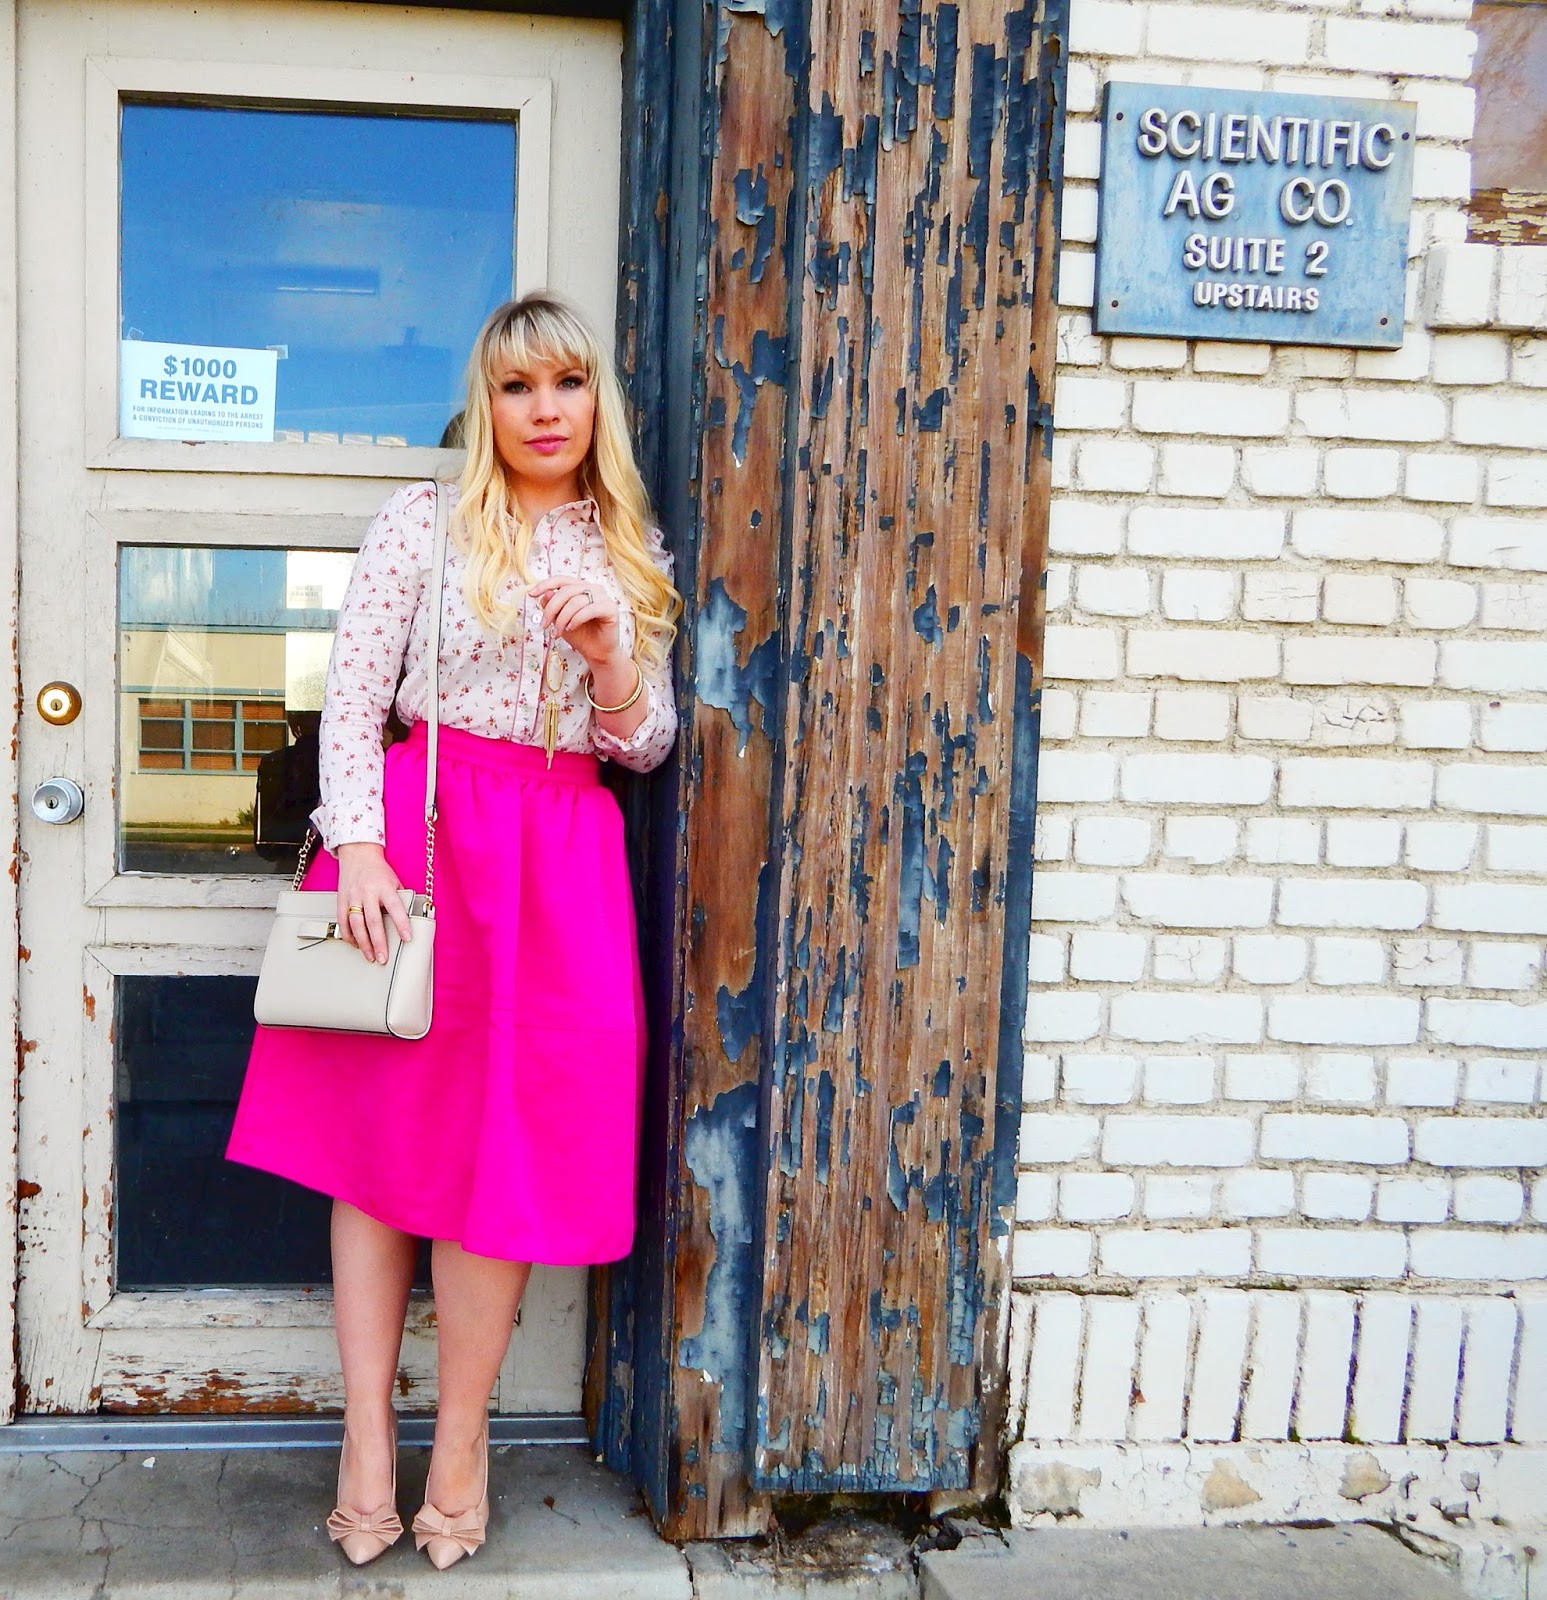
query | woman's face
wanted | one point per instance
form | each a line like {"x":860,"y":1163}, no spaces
{"x":543,"y":418}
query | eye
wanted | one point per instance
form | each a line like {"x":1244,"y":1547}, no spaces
{"x":513,"y":386}
{"x":572,"y":381}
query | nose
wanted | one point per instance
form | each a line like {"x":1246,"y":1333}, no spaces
{"x":545,"y":403}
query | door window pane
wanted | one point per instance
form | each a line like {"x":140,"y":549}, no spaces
{"x":222,"y":660}
{"x":364,"y":251}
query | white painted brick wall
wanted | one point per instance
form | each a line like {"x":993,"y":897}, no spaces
{"x":1287,"y":1017}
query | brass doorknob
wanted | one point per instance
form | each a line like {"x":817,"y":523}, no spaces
{"x":59,"y":703}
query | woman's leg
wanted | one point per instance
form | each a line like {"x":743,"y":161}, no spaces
{"x":373,"y":1269}
{"x":476,"y":1298}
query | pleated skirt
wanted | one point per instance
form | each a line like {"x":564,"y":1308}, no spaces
{"x":513,"y":1126}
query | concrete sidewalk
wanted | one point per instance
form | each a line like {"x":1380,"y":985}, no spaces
{"x":241,"y":1524}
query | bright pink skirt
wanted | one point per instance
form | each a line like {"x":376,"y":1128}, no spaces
{"x":513,"y":1125}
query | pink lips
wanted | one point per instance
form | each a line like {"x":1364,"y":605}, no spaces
{"x":547,"y":444}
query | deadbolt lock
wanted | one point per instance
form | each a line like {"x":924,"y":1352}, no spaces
{"x":59,"y":703}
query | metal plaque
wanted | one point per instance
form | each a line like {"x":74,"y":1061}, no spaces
{"x":1234,"y":214}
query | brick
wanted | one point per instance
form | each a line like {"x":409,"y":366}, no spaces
{"x":1226,"y":33}
{"x":1176,"y":1253}
{"x":1288,"y":472}
{"x":1422,"y":1081}
{"x":1445,"y":110}
{"x":1159,"y":1018}
{"x":1528,"y":362}
{"x":1058,"y":585}
{"x":1422,"y":48}
{"x":1189,"y":779}
{"x":1223,"y":410}
{"x":1186,"y":900}
{"x":1117,"y":466}
{"x":1513,"y":543}
{"x":1078,"y":346}
{"x":1361,"y":474}
{"x":1136,"y":1140}
{"x":1436,"y":724}
{"x":1245,"y":360}
{"x":1346,"y":963}
{"x":1205,"y":841}
{"x":1340,"y":1077}
{"x":1517,"y":791}
{"x":1164,"y":1360}
{"x":1098,"y":956}
{"x":1106,"y":1379}
{"x":1500,"y":1081}
{"x":1065,"y":775}
{"x":1077,"y":215}
{"x":1050,"y":1253}
{"x":1202,"y":471}
{"x":1207,"y":533}
{"x":1449,"y":480}
{"x":1197,"y":595}
{"x":1089,"y":403}
{"x":1269,"y":958}
{"x":1052,"y":1374}
{"x":1280,"y":596}
{"x":1412,"y":1200}
{"x":1360,"y":599}
{"x":1326,"y":1360}
{"x":1410,"y":364}
{"x":1471,"y":1255}
{"x":1148,"y":355}
{"x":1441,"y":173}
{"x":1516,"y":849}
{"x":1095,"y":1196}
{"x":1352,"y":903}
{"x":1471,"y":358}
{"x":1274,"y":1366}
{"x":1504,"y":965}
{"x":1076,"y":282}
{"x":1107,"y":28}
{"x":1188,"y":958}
{"x":1113,"y":591}
{"x":1343,"y":1019}
{"x":1363,"y":842}
{"x":1483,"y":1412}
{"x":1224,"y":1328}
{"x":1112,"y":841}
{"x":1289,"y":840}
{"x":1034,"y":1196}
{"x":1357,"y":783}
{"x":1179,"y":1080}
{"x":1380,"y":1370}
{"x":1261,"y":1077}
{"x":1495,"y":1024}
{"x":1440,"y":846}
{"x":1489,"y":1141}
{"x":1434,"y":1370}
{"x":1513,"y":727}
{"x":1118,"y":714}
{"x":1427,"y":963}
{"x":1080,"y":652}
{"x":1381,"y":416}
{"x":1079,"y":528}
{"x":1098,"y":1080}
{"x":1045,"y":960}
{"x":1495,"y":665}
{"x":1440,"y":603}
{"x":1216,"y":655}
{"x":1355,"y":720}
{"x":1516,"y":482}
{"x":1257,"y":1193}
{"x":1353,"y":1253}
{"x":1484,"y":907}
{"x":1037,"y":1076}
{"x":1173,"y":1197}
{"x":1521,"y":607}
{"x":1517,"y":421}
{"x":1479,"y":1199}
{"x":1336,"y":1196}
{"x":1050,"y":1137}
{"x":1062,"y":1018}
{"x":1063,"y":462}
{"x":1348,"y":533}
{"x":1459,"y":283}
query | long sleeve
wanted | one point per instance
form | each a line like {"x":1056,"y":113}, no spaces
{"x":651,"y":742}
{"x":374,"y":621}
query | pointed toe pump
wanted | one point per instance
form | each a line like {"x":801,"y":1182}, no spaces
{"x":363,"y":1535}
{"x":447,"y":1539}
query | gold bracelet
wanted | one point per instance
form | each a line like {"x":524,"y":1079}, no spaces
{"x":609,"y":710}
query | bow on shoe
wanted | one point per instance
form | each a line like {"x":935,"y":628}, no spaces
{"x":382,"y":1523}
{"x":466,"y":1528}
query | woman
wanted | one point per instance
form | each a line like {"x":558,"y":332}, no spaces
{"x":509,"y":1134}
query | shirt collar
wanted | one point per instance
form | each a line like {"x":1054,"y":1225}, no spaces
{"x":585,"y":510}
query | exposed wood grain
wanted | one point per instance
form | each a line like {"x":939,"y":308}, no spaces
{"x":1507,"y":216}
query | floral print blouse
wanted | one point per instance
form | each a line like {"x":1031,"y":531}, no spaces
{"x":488,"y":687}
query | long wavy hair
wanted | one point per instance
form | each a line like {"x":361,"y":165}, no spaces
{"x":489,"y":527}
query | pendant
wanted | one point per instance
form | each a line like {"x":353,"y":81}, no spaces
{"x":550,"y":728}
{"x":553,"y":681}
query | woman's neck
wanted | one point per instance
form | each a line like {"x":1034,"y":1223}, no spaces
{"x":536,"y":500}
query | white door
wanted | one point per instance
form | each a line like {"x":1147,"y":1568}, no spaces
{"x":255,"y":244}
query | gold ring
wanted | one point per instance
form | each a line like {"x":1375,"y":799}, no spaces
{"x":360,"y":909}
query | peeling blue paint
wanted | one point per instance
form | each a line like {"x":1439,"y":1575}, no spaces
{"x":723,"y":683}
{"x":926,"y":619}
{"x":908,"y":790}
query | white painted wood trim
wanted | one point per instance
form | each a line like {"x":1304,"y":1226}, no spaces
{"x":9,"y":823}
{"x":528,"y":99}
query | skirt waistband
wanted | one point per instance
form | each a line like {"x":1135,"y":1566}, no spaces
{"x":457,"y":744}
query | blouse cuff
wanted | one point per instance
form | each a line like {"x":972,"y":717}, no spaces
{"x":336,"y":829}
{"x":649,"y":724}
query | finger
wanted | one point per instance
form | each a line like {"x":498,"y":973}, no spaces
{"x":345,"y":917}
{"x":375,"y":931}
{"x":574,"y":612}
{"x":405,"y":929}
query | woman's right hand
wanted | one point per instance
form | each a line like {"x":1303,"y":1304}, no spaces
{"x":367,"y":894}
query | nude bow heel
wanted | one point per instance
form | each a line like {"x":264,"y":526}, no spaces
{"x":362,"y":1535}
{"x":447,"y":1539}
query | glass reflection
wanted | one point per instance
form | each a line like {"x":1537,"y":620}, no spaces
{"x":222,"y":660}
{"x":365,"y":250}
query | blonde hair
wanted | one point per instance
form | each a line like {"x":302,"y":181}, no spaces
{"x":536,"y":329}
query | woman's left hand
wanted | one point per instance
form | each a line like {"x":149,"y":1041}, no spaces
{"x":582,"y":614}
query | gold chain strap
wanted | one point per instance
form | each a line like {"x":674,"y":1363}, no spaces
{"x":305,"y":855}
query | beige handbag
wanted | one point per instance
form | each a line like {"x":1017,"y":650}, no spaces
{"x":311,"y":977}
